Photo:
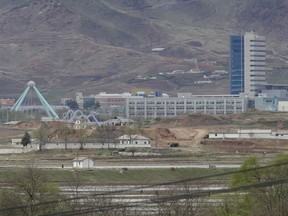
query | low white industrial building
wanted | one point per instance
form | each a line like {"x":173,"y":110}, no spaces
{"x":83,"y":163}
{"x":249,"y":134}
{"x":133,"y":140}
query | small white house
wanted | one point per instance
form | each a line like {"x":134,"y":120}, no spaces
{"x":83,"y":163}
{"x":133,"y":140}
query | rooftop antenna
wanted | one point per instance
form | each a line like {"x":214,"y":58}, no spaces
{"x":31,"y":87}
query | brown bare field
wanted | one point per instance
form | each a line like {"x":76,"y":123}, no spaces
{"x":191,"y":131}
{"x":11,"y":132}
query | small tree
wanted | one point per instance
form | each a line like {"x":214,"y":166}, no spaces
{"x":91,"y":105}
{"x":26,"y":139}
{"x":107,"y":134}
{"x":73,"y":105}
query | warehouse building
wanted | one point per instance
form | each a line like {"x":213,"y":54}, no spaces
{"x":170,"y":107}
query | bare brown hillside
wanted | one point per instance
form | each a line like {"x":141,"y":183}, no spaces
{"x":96,"y":45}
{"x":266,"y":16}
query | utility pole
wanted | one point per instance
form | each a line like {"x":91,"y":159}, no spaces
{"x":7,"y":115}
{"x":156,"y":140}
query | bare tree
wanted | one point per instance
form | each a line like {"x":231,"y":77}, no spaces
{"x":42,"y":134}
{"x":81,"y":137}
{"x":29,"y":187}
{"x":186,"y":206}
{"x":64,"y":134}
{"x":107,"y":134}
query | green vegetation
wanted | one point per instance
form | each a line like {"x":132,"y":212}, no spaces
{"x":268,"y":200}
{"x":26,"y":139}
{"x":121,"y":176}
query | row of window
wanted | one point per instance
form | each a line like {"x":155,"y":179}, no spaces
{"x":257,"y":41}
{"x":194,"y":103}
{"x":260,"y":75}
{"x":212,"y":105}
{"x":258,"y":50}
{"x":257,"y":45}
{"x":207,"y":112}
{"x":257,"y":65}
{"x":257,"y":70}
{"x":128,"y":142}
{"x":254,"y":60}
{"x":257,"y":80}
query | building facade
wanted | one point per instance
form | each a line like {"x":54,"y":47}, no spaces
{"x":247,"y":63}
{"x":134,"y":140}
{"x":250,"y":134}
{"x":110,"y":103}
{"x":173,"y":106}
{"x":7,"y":102}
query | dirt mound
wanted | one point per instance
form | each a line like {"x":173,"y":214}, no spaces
{"x":194,"y":120}
{"x":187,"y":137}
{"x":160,"y":134}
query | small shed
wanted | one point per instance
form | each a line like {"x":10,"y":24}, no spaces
{"x":16,"y":141}
{"x":83,"y":163}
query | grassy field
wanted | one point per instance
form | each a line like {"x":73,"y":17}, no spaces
{"x":119,"y":176}
{"x":104,"y":157}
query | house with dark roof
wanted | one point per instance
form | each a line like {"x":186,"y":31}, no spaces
{"x":134,"y":140}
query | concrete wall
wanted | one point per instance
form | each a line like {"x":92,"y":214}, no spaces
{"x":254,"y":131}
{"x":93,"y":146}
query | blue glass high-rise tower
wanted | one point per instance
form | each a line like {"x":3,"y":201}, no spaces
{"x":247,"y":63}
{"x":236,"y":64}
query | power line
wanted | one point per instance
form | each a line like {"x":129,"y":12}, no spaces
{"x":148,"y":186}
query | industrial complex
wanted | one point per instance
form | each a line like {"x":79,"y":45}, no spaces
{"x":248,"y":90}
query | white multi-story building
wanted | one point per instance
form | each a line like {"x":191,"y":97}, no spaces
{"x":254,"y":62}
{"x":247,"y":63}
{"x":173,"y":106}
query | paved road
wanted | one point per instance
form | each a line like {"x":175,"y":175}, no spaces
{"x":129,"y":166}
{"x":156,"y":166}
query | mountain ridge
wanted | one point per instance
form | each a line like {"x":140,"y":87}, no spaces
{"x":92,"y":46}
